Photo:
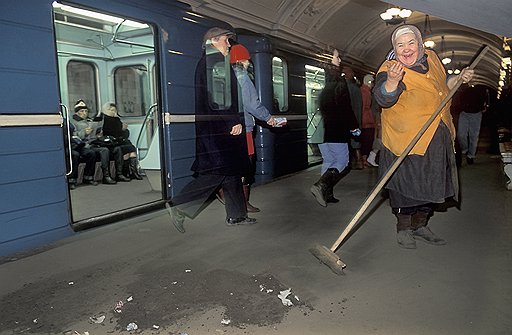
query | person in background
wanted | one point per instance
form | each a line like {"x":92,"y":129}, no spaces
{"x":84,"y":133}
{"x":253,"y":108}
{"x":410,"y":86}
{"x":357,"y":106}
{"x":367,"y":118}
{"x":114,"y":127}
{"x":472,"y":101}
{"x":339,"y":124}
{"x":221,"y":148}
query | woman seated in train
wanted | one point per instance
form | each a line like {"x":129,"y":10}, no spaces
{"x":127,"y":168}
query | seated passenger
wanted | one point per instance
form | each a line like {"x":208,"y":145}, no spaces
{"x":114,"y":127}
{"x":80,"y":154}
{"x":84,"y":132}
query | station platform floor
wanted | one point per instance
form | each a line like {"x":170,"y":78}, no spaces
{"x":216,"y":279}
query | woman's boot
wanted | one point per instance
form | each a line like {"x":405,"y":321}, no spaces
{"x":106,"y":177}
{"x":319,"y":189}
{"x":404,"y":235}
{"x":119,"y":171}
{"x":420,"y":231}
{"x":247,"y":193}
{"x":134,"y":169}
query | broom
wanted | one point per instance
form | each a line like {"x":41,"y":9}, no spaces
{"x":327,"y":255}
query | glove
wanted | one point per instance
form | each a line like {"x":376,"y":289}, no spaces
{"x":356,"y":132}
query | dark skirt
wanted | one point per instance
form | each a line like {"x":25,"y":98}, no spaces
{"x":424,"y":179}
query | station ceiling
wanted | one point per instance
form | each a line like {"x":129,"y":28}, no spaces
{"x":355,"y":28}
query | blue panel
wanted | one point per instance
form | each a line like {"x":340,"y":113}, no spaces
{"x":28,"y":69}
{"x":16,"y":140}
{"x":33,"y":221}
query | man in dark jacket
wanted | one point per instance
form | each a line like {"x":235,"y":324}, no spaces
{"x":221,"y":149}
{"x":339,"y":123}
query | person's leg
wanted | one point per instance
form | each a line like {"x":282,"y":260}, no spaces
{"x":192,"y":199}
{"x":474,"y":123}
{"x":319,"y":188}
{"x":88,"y":156}
{"x":104,"y":155}
{"x":462,"y":133}
{"x":339,"y":170}
{"x":420,"y":231}
{"x":236,"y":211}
{"x":404,"y":235}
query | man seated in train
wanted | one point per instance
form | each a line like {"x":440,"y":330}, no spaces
{"x":221,"y":149}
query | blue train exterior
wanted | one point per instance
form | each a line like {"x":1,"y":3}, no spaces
{"x":34,"y":196}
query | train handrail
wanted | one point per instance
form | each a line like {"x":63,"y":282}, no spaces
{"x":149,"y":114}
{"x":70,"y":157}
{"x":116,"y":40}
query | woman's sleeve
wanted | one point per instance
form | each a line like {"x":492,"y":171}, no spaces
{"x":386,"y":99}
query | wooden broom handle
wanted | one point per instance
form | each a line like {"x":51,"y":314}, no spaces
{"x":404,"y":154}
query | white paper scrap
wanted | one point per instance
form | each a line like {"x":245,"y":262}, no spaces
{"x":283,"y":296}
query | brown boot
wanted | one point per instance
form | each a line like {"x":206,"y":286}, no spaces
{"x":220,"y":196}
{"x":247,"y":193}
{"x":358,"y":160}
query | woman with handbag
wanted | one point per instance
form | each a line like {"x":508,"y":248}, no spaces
{"x":114,"y":127}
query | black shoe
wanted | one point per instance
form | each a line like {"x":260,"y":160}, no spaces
{"x":90,"y":181}
{"x":470,"y":160}
{"x":109,"y":181}
{"x":72,"y":186}
{"x":177,"y":218}
{"x":318,"y":192}
{"x":240,"y":221}
{"x":332,"y":200}
{"x":121,"y":177}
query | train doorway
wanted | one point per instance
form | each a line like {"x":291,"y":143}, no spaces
{"x":104,"y":59}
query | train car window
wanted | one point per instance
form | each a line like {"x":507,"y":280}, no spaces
{"x":131,"y":86}
{"x":81,"y":84}
{"x":280,"y":84}
{"x":219,"y":83}
{"x":315,"y":82}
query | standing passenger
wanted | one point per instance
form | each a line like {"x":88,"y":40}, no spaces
{"x":410,"y":85}
{"x":221,"y":149}
{"x":473,"y":102}
{"x":339,"y":121}
{"x":367,"y":118}
{"x":357,"y":105}
{"x":253,"y":108}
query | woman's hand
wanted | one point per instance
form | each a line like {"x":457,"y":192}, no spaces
{"x":395,"y":74}
{"x":467,"y":74}
{"x":336,"y":58}
{"x":236,"y":130}
{"x":271,"y":122}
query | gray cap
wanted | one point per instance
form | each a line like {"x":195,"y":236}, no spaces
{"x":216,"y":32}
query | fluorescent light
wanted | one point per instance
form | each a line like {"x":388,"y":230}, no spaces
{"x":98,"y":16}
{"x":446,"y":60}
{"x":429,"y":44}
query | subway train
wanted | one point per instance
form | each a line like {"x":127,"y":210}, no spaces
{"x":142,"y":56}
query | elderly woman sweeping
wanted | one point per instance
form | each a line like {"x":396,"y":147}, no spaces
{"x":409,"y":86}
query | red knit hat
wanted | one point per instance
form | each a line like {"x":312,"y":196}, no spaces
{"x":238,"y":53}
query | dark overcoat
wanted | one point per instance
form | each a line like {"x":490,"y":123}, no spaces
{"x":336,"y":109}
{"x":217,"y":151}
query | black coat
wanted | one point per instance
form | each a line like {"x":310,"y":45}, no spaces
{"x":217,"y":151}
{"x":337,"y":113}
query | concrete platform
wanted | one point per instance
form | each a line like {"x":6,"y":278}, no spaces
{"x":189,"y":283}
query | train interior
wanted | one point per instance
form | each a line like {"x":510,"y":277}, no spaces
{"x":104,"y":58}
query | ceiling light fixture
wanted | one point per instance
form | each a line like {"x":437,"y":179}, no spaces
{"x":395,"y":15}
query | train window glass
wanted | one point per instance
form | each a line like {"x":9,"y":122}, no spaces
{"x":218,"y":76}
{"x":280,"y":84}
{"x":315,"y":82}
{"x":81,"y":84}
{"x":131,"y":86}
